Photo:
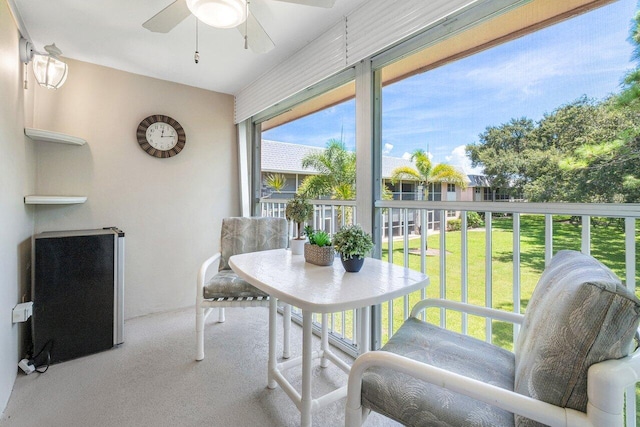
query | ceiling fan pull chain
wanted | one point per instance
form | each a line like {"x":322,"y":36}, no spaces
{"x":246,"y":27}
{"x":196,"y":56}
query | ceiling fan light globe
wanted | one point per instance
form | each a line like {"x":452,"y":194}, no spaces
{"x":219,"y":13}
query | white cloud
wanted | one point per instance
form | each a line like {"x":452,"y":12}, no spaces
{"x":387,"y":148}
{"x":459,"y":159}
{"x":406,"y":156}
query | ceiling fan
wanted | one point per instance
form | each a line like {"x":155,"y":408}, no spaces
{"x":222,"y":14}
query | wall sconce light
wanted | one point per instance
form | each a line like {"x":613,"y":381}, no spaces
{"x":50,"y":71}
{"x":219,"y":13}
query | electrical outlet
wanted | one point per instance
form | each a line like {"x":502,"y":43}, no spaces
{"x":22,"y":312}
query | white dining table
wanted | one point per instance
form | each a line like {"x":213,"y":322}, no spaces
{"x":316,"y":289}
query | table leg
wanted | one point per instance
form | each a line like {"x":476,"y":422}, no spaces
{"x":324,"y":346}
{"x":307,"y":350}
{"x":364,"y":329}
{"x":286,"y":316}
{"x":272,"y":364}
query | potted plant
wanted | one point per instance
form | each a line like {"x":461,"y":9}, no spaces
{"x":319,"y":250}
{"x":353,"y":244}
{"x":298,"y":210}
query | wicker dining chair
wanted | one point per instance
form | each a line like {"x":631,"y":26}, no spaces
{"x":225,"y":289}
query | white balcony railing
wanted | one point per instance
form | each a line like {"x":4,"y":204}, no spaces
{"x":521,"y":236}
{"x":408,"y":224}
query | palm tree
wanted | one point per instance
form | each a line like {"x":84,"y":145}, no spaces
{"x":336,"y":176}
{"x":276,"y":181}
{"x":425,"y":173}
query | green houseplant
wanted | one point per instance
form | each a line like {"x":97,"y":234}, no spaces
{"x":298,"y":210}
{"x":319,"y":250}
{"x":353,"y":244}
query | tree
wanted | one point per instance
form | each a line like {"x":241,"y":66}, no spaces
{"x":589,"y":166}
{"x":336,"y":176}
{"x":501,"y":152}
{"x":425,"y":173}
{"x":610,"y":165}
{"x":554,"y":160}
{"x":276,"y":181}
{"x":630,"y":95}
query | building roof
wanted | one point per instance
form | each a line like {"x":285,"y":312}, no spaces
{"x":478,"y":181}
{"x":285,"y":157}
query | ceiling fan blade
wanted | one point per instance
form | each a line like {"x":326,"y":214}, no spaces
{"x":165,"y":20}
{"x":318,"y":3}
{"x":258,"y":40}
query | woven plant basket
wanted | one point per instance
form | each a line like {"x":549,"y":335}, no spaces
{"x":319,"y":255}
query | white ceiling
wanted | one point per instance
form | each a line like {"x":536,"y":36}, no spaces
{"x":110,"y":33}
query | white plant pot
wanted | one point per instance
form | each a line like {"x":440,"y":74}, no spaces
{"x":297,"y":246}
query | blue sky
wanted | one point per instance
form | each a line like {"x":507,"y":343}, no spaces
{"x":444,"y":109}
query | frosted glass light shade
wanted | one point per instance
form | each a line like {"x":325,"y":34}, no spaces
{"x":50,"y":72}
{"x":219,"y":13}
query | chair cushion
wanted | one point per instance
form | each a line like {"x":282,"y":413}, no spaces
{"x":416,"y":403}
{"x":227,"y":284}
{"x":242,"y":235}
{"x":579,"y":314}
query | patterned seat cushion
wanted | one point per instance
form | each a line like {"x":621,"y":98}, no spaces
{"x":579,"y":314}
{"x":416,"y":403}
{"x":227,"y":284}
{"x":241,"y":235}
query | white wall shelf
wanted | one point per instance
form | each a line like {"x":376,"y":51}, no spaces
{"x":54,"y":200}
{"x":49,"y":136}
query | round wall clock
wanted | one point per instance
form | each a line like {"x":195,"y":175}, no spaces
{"x":161,"y":136}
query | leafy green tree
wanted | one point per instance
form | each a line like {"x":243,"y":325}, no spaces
{"x":609,"y":165}
{"x":592,"y":166}
{"x":555,"y":158}
{"x":336,"y":176}
{"x":501,"y":152}
{"x":425,"y":173}
{"x":630,"y":96}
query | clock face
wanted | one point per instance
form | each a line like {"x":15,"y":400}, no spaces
{"x":161,"y":136}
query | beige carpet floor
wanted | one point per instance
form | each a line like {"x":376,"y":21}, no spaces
{"x":153,"y":380}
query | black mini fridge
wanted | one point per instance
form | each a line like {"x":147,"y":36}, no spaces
{"x":77,"y":292}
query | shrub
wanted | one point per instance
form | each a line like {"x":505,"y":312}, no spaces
{"x":454,"y":225}
{"x":474,"y":220}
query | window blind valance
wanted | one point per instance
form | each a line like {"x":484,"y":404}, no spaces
{"x":374,"y":26}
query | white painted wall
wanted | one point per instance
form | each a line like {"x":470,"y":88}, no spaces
{"x":170,"y":209}
{"x":17,"y":177}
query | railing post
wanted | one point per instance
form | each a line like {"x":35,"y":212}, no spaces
{"x":548,"y":238}
{"x":586,"y":235}
{"x":464,"y":267}
{"x":516,"y":271}
{"x":443,"y":265}
{"x":488,"y":287}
